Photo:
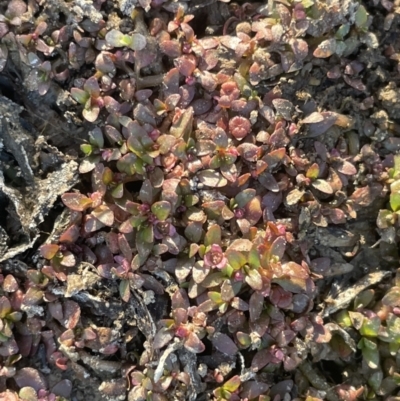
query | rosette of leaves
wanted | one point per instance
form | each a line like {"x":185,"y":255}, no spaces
{"x":388,"y":219}
{"x":234,"y":389}
{"x":378,"y":325}
{"x":244,"y":209}
{"x":310,"y":179}
{"x":272,"y":335}
{"x":41,"y":75}
{"x":32,"y":41}
{"x":7,"y":319}
{"x":102,"y":213}
{"x":37,"y":285}
{"x":141,"y":148}
{"x":135,"y":41}
{"x":341,"y":45}
{"x":186,"y":323}
{"x":92,"y":99}
{"x":59,"y":257}
{"x":224,"y":156}
{"x":291,"y":283}
{"x":146,"y":387}
{"x":256,"y":262}
{"x":229,"y":390}
{"x":151,"y":220}
{"x":95,"y":151}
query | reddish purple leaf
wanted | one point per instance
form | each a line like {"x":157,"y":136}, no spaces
{"x":261,"y":359}
{"x":193,"y":344}
{"x":76,"y":201}
{"x":71,"y":313}
{"x":224,"y":344}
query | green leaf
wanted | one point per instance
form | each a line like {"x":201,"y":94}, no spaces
{"x":135,"y":146}
{"x":144,"y":248}
{"x":127,"y":164}
{"x":48,"y":251}
{"x":357,"y":319}
{"x":291,"y":284}
{"x":137,"y":42}
{"x":91,"y":111}
{"x":27,"y":394}
{"x":254,"y":258}
{"x":361,"y":17}
{"x":392,"y":298}
{"x":5,"y":307}
{"x":375,"y":380}
{"x":96,"y":138}
{"x":342,"y":31}
{"x":243,"y":338}
{"x":244,"y":197}
{"x":369,"y":344}
{"x":104,"y":214}
{"x":254,"y":280}
{"x":343,"y":319}
{"x":161,"y":210}
{"x":364,"y":298}
{"x":124,"y":290}
{"x":166,"y":142}
{"x":191,"y":200}
{"x":396,"y":165}
{"x":80,"y":95}
{"x":395,"y":201}
{"x":194,"y":231}
{"x":235,"y":259}
{"x":137,"y":221}
{"x":227,"y":291}
{"x":215,"y":297}
{"x":370,"y":327}
{"x":393,"y":325}
{"x":76,"y":201}
{"x":232,"y":384}
{"x":219,"y":393}
{"x":213,"y":280}
{"x":313,"y":172}
{"x":183,"y":123}
{"x":212,"y":178}
{"x":213,"y":236}
{"x":86,"y":149}
{"x":221,"y":139}
{"x":307,"y":3}
{"x":213,"y":209}
{"x":118,"y":191}
{"x":116,"y":38}
{"x":215,"y":162}
{"x":227,"y":160}
{"x":148,"y":234}
{"x":146,"y":192}
{"x":371,"y":357}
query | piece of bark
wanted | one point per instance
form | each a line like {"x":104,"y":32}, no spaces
{"x":344,"y":298}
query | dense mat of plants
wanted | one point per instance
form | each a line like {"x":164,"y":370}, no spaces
{"x":234,"y":231}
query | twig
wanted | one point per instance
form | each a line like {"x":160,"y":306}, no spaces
{"x":161,"y":362}
{"x":344,"y":298}
{"x":317,"y":381}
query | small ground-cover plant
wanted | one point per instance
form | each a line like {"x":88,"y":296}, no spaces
{"x":202,"y":191}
